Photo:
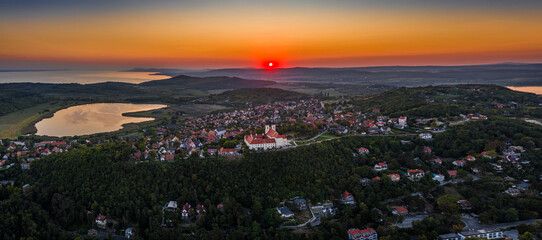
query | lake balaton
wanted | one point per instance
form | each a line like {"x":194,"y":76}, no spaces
{"x":92,"y":118}
{"x":529,"y":89}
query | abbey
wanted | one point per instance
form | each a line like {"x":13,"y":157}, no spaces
{"x":270,"y":139}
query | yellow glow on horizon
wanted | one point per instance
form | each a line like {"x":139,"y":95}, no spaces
{"x":232,"y":34}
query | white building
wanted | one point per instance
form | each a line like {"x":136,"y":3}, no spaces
{"x":382,"y":166}
{"x":479,"y":233}
{"x":270,"y":139}
{"x":402,"y":120}
{"x":426,"y":136}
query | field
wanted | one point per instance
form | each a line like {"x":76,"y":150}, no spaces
{"x":14,"y":124}
{"x":190,"y":110}
{"x":322,"y":137}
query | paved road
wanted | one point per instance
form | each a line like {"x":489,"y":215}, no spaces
{"x":407,"y":222}
{"x":513,"y":224}
{"x":473,"y":223}
{"x":470,"y":222}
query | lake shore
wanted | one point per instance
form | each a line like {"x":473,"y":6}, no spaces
{"x":88,"y":119}
{"x":23,"y":122}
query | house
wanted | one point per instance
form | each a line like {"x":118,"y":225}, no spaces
{"x":415,"y":174}
{"x":465,"y":204}
{"x":512,"y":192}
{"x":394,"y":177}
{"x":363,"y":150}
{"x":220,"y":131}
{"x":270,"y":139}
{"x":300,"y":203}
{"x":438,"y":177}
{"x":401,"y":211}
{"x":385,"y":129}
{"x":200,"y":209}
{"x":437,"y":161}
{"x":324,"y":209}
{"x":427,"y":150}
{"x":450,"y":236}
{"x":285,"y":212}
{"x":101,"y":221}
{"x":452,"y":173}
{"x":497,"y":167}
{"x":25,"y":166}
{"x":470,"y":158}
{"x":426,"y":136}
{"x":226,"y":152}
{"x":460,"y":163}
{"x":482,"y":234}
{"x":402,"y":120}
{"x":220,"y":207}
{"x":186,"y":210}
{"x":365,"y":234}
{"x":382,"y":166}
{"x":348,"y":198}
{"x":169,"y":157}
{"x":171,"y":205}
{"x":212,"y":151}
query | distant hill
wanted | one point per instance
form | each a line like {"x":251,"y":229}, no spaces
{"x":504,"y":74}
{"x":254,"y":96}
{"x":205,"y":83}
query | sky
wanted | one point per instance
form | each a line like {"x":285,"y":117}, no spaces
{"x":36,"y":34}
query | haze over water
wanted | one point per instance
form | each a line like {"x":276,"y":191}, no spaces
{"x":92,"y":118}
{"x":78,"y":76}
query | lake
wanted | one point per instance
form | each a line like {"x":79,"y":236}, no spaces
{"x":92,"y":118}
{"x":530,"y":89}
{"x":79,"y":76}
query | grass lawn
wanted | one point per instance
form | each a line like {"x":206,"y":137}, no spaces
{"x":325,"y":137}
{"x":13,"y":125}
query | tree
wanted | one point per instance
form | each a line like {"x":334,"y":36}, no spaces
{"x":526,"y":236}
{"x":448,"y":203}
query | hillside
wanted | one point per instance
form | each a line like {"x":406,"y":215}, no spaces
{"x":253,"y":95}
{"x":182,"y":88}
{"x":205,"y":83}
{"x":451,"y":100}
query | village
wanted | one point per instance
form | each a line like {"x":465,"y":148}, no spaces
{"x":231,"y":134}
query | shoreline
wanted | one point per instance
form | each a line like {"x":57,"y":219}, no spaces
{"x":147,"y":118}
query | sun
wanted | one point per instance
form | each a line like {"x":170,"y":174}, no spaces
{"x":270,"y":65}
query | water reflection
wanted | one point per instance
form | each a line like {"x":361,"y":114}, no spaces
{"x":92,"y":118}
{"x":531,"y":89}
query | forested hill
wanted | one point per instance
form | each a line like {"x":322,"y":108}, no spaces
{"x":254,"y":96}
{"x":103,"y":180}
{"x":451,"y":100}
{"x":17,"y":96}
{"x":205,"y":83}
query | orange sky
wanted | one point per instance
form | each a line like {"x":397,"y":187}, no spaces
{"x":240,"y":37}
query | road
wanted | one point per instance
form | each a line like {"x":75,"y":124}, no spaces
{"x":407,"y":222}
{"x":473,"y":223}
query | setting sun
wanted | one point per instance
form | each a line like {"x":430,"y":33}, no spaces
{"x":270,"y":65}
